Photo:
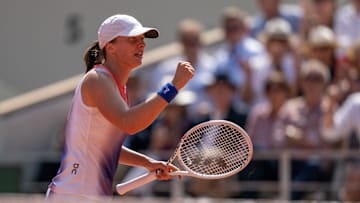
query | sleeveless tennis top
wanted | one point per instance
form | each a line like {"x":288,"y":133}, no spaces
{"x":91,"y":151}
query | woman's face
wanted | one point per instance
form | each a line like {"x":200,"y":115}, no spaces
{"x":128,"y":50}
{"x":313,"y":85}
{"x":325,"y":9}
{"x":277,"y":48}
{"x":221,"y":94}
{"x":191,"y":42}
{"x":324,"y":54}
{"x":270,"y":8}
{"x":277,"y":95}
{"x":233,"y":30}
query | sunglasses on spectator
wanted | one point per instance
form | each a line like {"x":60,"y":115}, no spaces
{"x":187,"y":41}
{"x":323,"y":48}
{"x":232,"y":28}
{"x":314,"y":78}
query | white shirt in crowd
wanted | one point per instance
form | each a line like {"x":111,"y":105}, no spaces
{"x":252,"y":51}
{"x":347,"y":27}
{"x":346,"y":119}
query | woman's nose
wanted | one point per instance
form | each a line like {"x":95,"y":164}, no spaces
{"x":142,"y":44}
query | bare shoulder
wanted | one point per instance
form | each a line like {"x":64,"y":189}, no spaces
{"x":94,"y":84}
{"x":96,"y":79}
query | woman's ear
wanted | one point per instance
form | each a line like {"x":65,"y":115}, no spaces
{"x":109,"y":47}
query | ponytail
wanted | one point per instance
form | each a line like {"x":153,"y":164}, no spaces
{"x":93,"y":55}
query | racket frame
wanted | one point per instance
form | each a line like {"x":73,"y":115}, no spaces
{"x":122,"y":188}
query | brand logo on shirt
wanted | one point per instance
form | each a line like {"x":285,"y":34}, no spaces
{"x":75,"y":168}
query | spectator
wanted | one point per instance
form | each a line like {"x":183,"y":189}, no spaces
{"x":346,"y":77}
{"x":260,"y":127}
{"x":242,"y":58}
{"x":277,"y":38}
{"x":341,"y":122}
{"x":260,"y":124}
{"x":221,"y":93}
{"x":270,"y":9}
{"x":317,"y":12}
{"x":189,"y":36}
{"x":322,"y":45}
{"x":298,"y":126}
{"x":351,"y":71}
{"x":347,"y":25}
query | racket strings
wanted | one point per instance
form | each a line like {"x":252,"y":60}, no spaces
{"x":215,"y":150}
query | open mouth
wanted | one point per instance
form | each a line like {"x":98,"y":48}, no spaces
{"x":139,"y":55}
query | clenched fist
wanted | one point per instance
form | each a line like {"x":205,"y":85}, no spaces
{"x":184,"y":72}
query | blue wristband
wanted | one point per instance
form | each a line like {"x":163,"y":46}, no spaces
{"x":168,"y":92}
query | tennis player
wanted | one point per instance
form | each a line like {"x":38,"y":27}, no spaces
{"x":100,"y":117}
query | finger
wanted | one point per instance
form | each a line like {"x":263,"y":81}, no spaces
{"x":158,"y":172}
{"x":173,"y":167}
{"x":163,"y":175}
{"x":184,"y":63}
{"x":190,"y":67}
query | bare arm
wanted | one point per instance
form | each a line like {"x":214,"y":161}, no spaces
{"x":246,"y":91}
{"x":132,"y":158}
{"x":99,"y":91}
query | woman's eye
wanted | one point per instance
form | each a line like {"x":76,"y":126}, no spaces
{"x":132,"y":40}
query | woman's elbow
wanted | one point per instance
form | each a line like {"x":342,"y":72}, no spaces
{"x":131,"y":125}
{"x":130,"y":128}
{"x":131,"y":131}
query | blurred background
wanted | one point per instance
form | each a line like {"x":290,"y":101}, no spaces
{"x":270,"y":66}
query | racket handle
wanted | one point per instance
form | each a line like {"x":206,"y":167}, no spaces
{"x":123,"y":188}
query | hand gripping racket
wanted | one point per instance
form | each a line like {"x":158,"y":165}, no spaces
{"x":210,"y":150}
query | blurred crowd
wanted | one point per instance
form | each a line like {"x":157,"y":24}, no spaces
{"x":278,"y":75}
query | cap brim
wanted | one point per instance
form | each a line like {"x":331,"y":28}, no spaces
{"x":152,"y":33}
{"x":147,"y":31}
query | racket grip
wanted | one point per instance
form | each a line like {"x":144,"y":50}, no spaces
{"x":125,"y":187}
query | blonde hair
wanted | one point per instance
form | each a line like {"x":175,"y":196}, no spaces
{"x":190,"y":25}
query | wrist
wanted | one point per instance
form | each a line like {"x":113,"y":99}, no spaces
{"x":168,"y":92}
{"x":147,"y":163}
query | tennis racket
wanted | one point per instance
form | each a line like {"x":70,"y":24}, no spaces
{"x":210,"y":150}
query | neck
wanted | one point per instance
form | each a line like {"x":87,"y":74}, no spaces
{"x":312,"y":101}
{"x":121,"y":73}
{"x":275,"y":108}
{"x":223,"y":107}
{"x":192,"y":58}
{"x":272,"y":14}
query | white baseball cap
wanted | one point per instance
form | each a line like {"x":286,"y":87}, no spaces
{"x":314,"y":66}
{"x":321,"y":36}
{"x":277,"y":28}
{"x":123,"y":25}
